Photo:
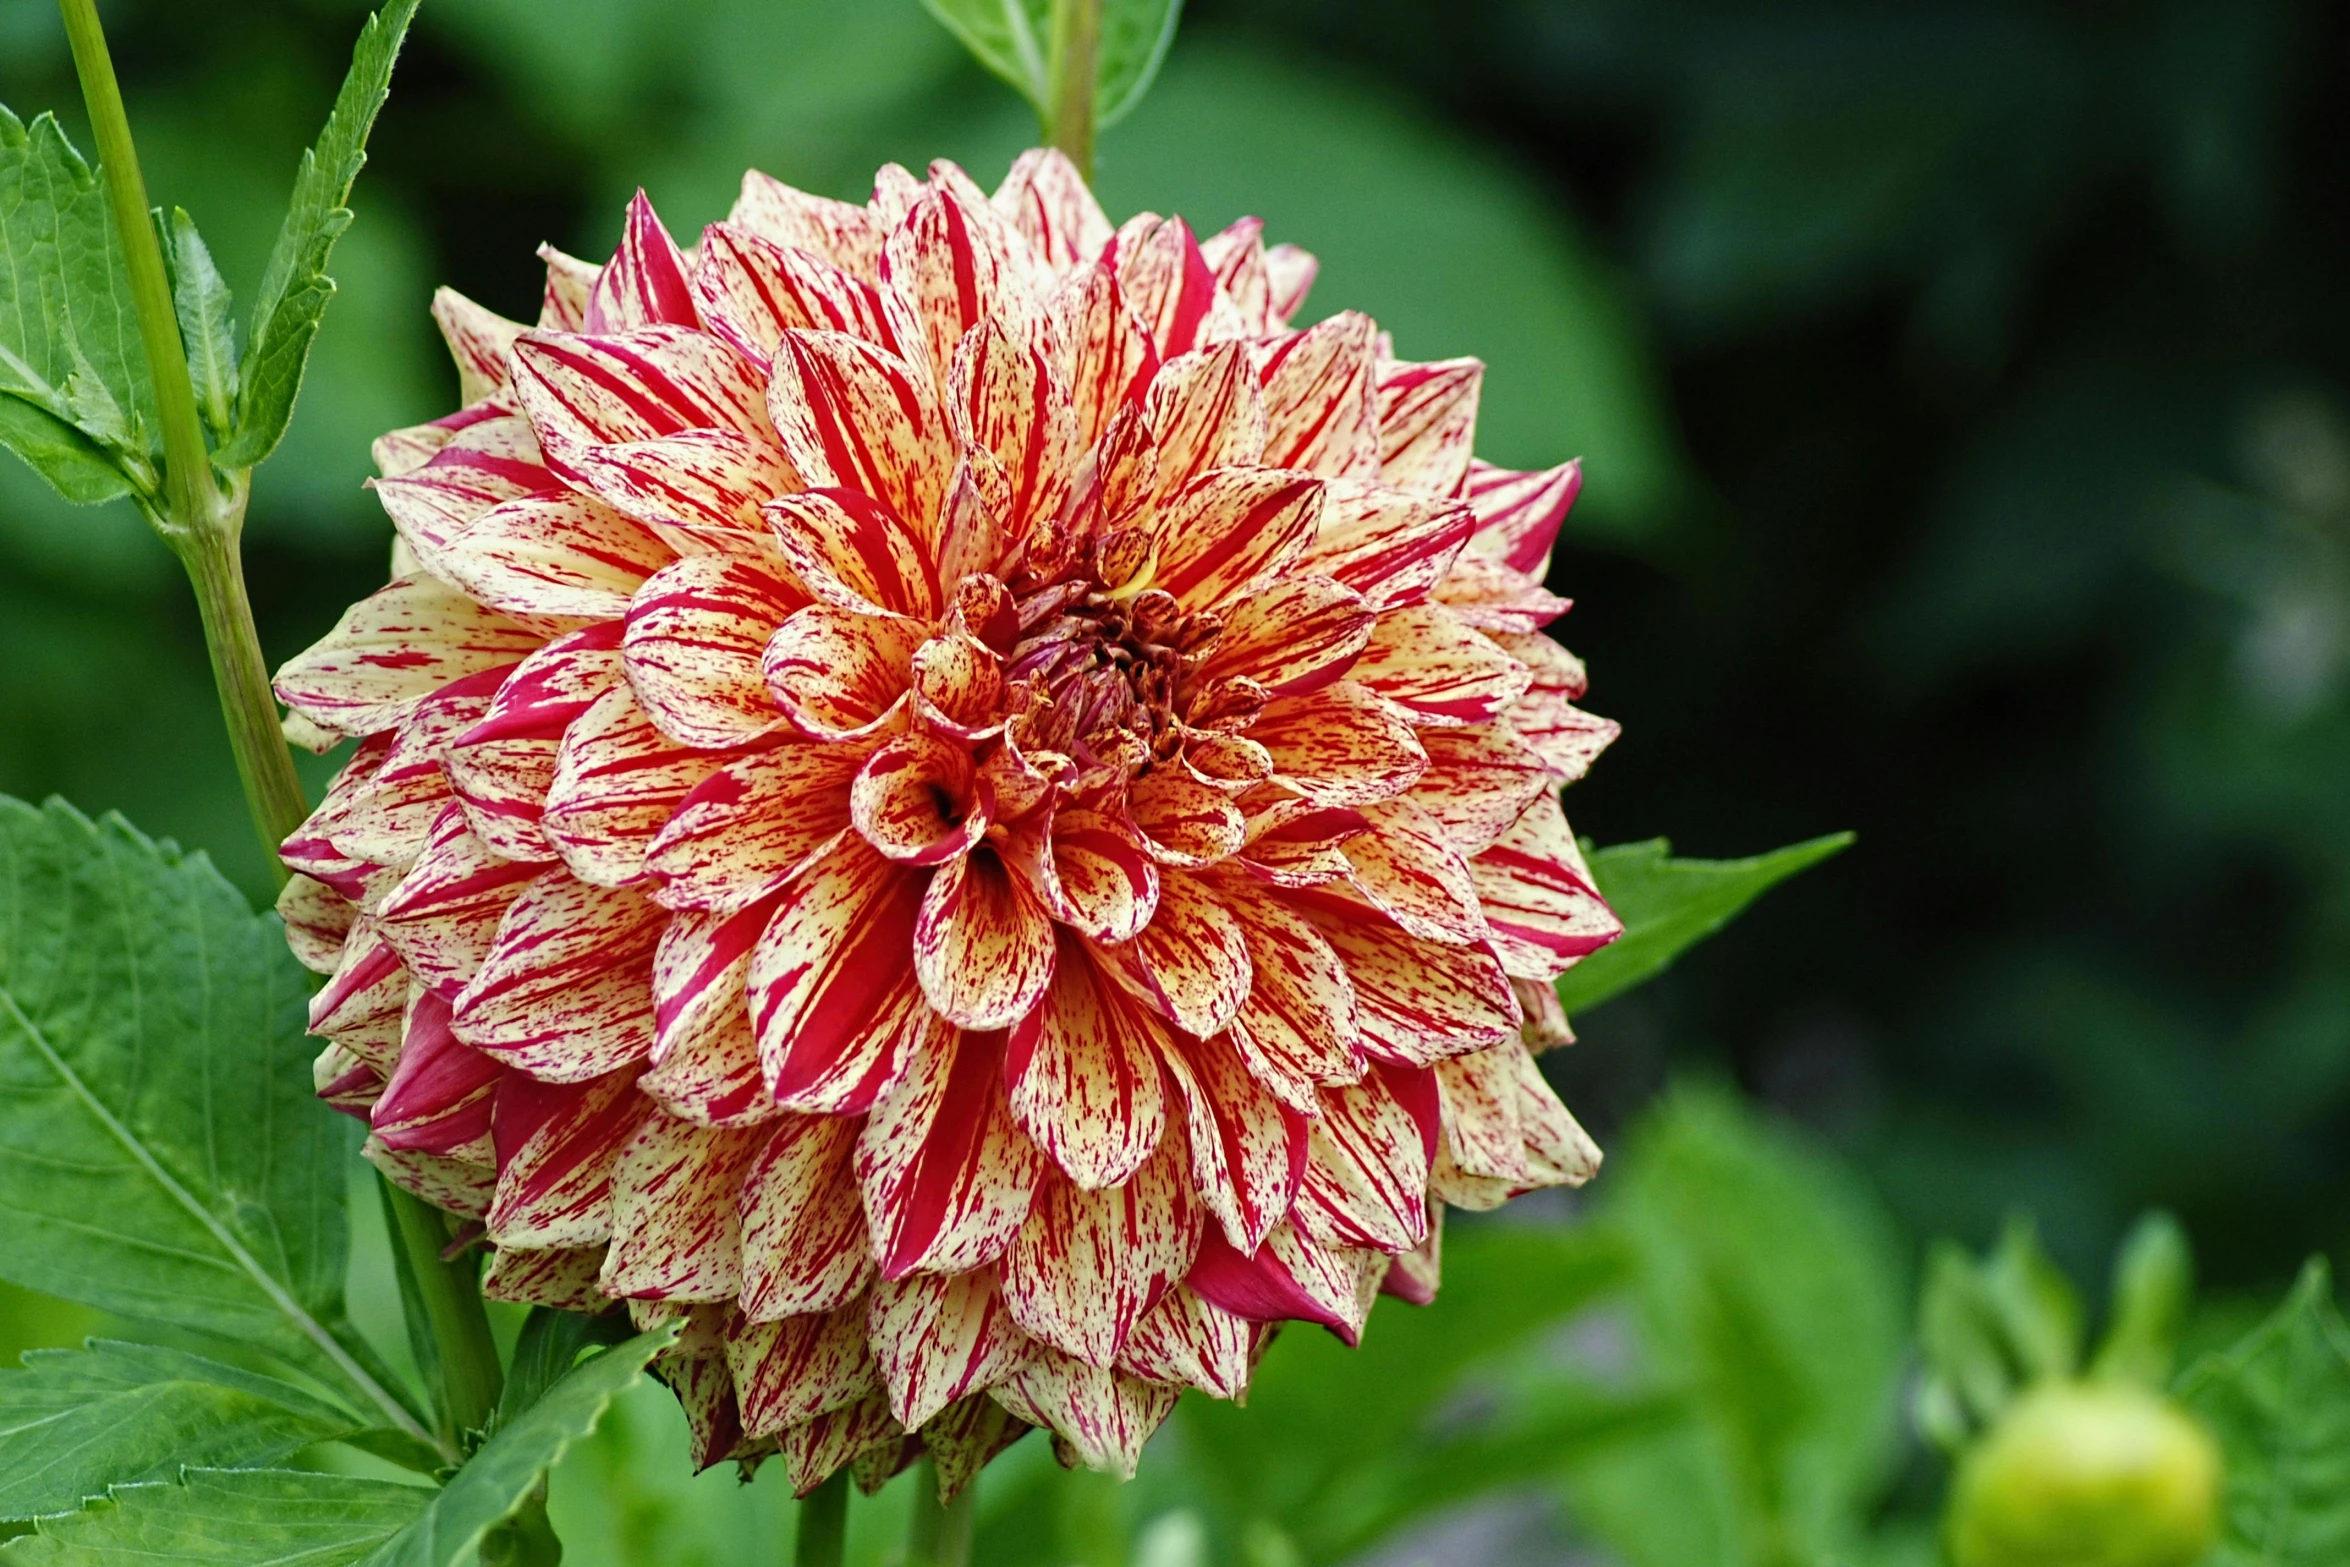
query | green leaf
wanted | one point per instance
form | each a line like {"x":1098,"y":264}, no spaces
{"x":295,"y":287}
{"x":75,"y":1422}
{"x":2036,"y":1306}
{"x":1013,"y":38}
{"x":201,"y":301}
{"x":549,"y":1345}
{"x":2153,"y":1284}
{"x":1670,"y":905}
{"x":227,"y":1518}
{"x":2279,"y":1402}
{"x":161,"y":1155}
{"x":69,"y":338}
{"x":508,"y":1467}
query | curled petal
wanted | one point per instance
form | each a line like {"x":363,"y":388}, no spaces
{"x":560,"y":1278}
{"x":1191,"y":959}
{"x":1299,"y":1028}
{"x":854,"y":554}
{"x":705,"y":1059}
{"x":1480,"y":779}
{"x":803,"y":1234}
{"x":1296,"y":637}
{"x":697,"y":631}
{"x":1182,"y":821}
{"x":983,"y":944}
{"x":566,"y":991}
{"x":1289,"y":274}
{"x":1340,"y":747}
{"x":752,"y":825}
{"x":941,"y":1338}
{"x":1483,"y":1125}
{"x":1236,"y":255}
{"x":1321,"y":399}
{"x":834,"y":1005}
{"x":1003,"y":398}
{"x":948,"y":1176}
{"x":1082,"y":1072}
{"x":838,"y":676}
{"x":1296,"y":843}
{"x":958,"y":687}
{"x":1427,"y":420}
{"x":1545,"y":912}
{"x":1166,"y":279}
{"x":1103,"y":1416}
{"x":1089,"y":873}
{"x":438,"y":1098}
{"x":1288,"y":1278}
{"x":1204,"y":411}
{"x":945,"y":268}
{"x":443,"y":917}
{"x":556,"y":1143}
{"x":916,"y":800}
{"x":617,"y":779}
{"x":1491,"y":597}
{"x":1437,"y":669}
{"x":1186,"y":1340}
{"x":1107,"y":354}
{"x":478,"y":340}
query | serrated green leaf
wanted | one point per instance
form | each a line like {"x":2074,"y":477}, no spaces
{"x":1013,"y":38}
{"x":1669,"y":905}
{"x":69,"y":337}
{"x":75,"y":1422}
{"x":75,"y":466}
{"x":510,"y":1465}
{"x":200,"y":298}
{"x":295,"y":287}
{"x":549,"y":1345}
{"x":161,"y":1155}
{"x":2279,"y":1403}
{"x":227,"y":1518}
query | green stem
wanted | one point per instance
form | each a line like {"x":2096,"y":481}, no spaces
{"x":940,"y":1536}
{"x":1076,"y":48}
{"x":526,"y":1539}
{"x":199,"y":516}
{"x":824,"y":1524}
{"x":449,"y":1290}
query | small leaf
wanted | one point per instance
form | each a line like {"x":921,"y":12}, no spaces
{"x":1669,"y":905}
{"x":1013,"y":38}
{"x":2279,"y":1402}
{"x":201,"y":301}
{"x":75,"y":466}
{"x":75,"y":1422}
{"x":549,"y":1345}
{"x":2037,"y":1309}
{"x":509,"y":1466}
{"x":1969,"y":1374}
{"x":69,"y":339}
{"x":161,"y":1154}
{"x":227,"y":1518}
{"x":2153,"y":1283}
{"x":295,"y":287}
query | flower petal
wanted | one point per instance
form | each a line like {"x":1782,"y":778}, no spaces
{"x":1187,"y":1341}
{"x":1248,"y":1149}
{"x":1299,"y":1028}
{"x":556,"y":1143}
{"x":1082,"y":1073}
{"x":1518,"y":514}
{"x":705,"y":1057}
{"x":1089,"y":873}
{"x":1181,"y":821}
{"x":1438,"y":670}
{"x":793,"y":1370}
{"x":803,"y":1234}
{"x":1296,"y":637}
{"x":1483,"y":1125}
{"x":674,"y":1231}
{"x":1232,"y":530}
{"x":854,"y":416}
{"x":697,"y":632}
{"x":645,"y":283}
{"x":752,"y":825}
{"x":847,"y":235}
{"x":1545,"y":911}
{"x":1204,"y":411}
{"x":584,"y":391}
{"x":1045,"y":200}
{"x":699,"y":491}
{"x":1289,"y":1278}
{"x":393,"y":649}
{"x":946,"y":267}
{"x":617,"y":778}
{"x":1340,"y":746}
{"x":1480,"y":779}
{"x":855,"y":554}
{"x":947,"y":1174}
{"x":561,"y":1278}
{"x":1427,"y":420}
{"x":838,"y":676}
{"x":939,"y":1338}
{"x":443,"y":917}
{"x":915,"y":799}
{"x":1388,"y":545}
{"x":1107,"y":355}
{"x":983,"y":944}
{"x":752,"y":290}
{"x":1191,"y":960}
{"x":1003,"y":398}
{"x":1411,"y":872}
{"x":1366,"y":1180}
{"x":1322,"y":400}
{"x":1088,"y":1264}
{"x":438,"y":1097}
{"x":557,"y":554}
{"x":1419,"y":1001}
{"x":1102,"y":1416}
{"x":1167,"y":281}
{"x":566,"y":992}
{"x":478,"y":340}
{"x":834,"y":1005}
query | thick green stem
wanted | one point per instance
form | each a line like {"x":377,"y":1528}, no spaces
{"x":824,"y":1524}
{"x":1076,"y":49}
{"x":939,"y":1536}
{"x":526,"y":1539}
{"x":200,"y":516}
{"x":449,"y":1290}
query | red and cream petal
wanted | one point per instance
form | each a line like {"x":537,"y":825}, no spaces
{"x":947,"y":1175}
{"x":645,"y":283}
{"x":1406,"y":866}
{"x":1101,"y":1417}
{"x":1248,"y":1149}
{"x":1297,"y":843}
{"x":1107,"y":355}
{"x":1166,"y":280}
{"x":478,"y":340}
{"x":318,"y":919}
{"x":1082,"y":1072}
{"x":1539,"y":897}
{"x":443,"y":918}
{"x":698,"y":491}
{"x":1322,"y":399}
{"x":803,"y":1233}
{"x":846,"y":235}
{"x":1003,"y":398}
{"x":916,"y":799}
{"x":556,"y":1143}
{"x":983,"y":943}
{"x":1232,"y":531}
{"x":854,"y":553}
{"x":502,"y":767}
{"x":815,"y":1450}
{"x":1205,"y":412}
{"x":1389,"y":545}
{"x":478,"y":468}
{"x":705,"y":1056}
{"x":438,"y":1097}
{"x":1427,"y":421}
{"x":839,"y":676}
{"x":1047,"y":203}
{"x":1185,"y":1340}
{"x":1491,"y":597}
{"x":1483,"y":1125}
{"x":675,"y":1234}
{"x":1342,"y":746}
{"x":837,"y":1013}
{"x":948,"y":265}
{"x":790,"y":1371}
{"x":1558,"y":1151}
{"x":1479,"y":781}
{"x":585,"y":391}
{"x":959,"y":688}
{"x":697,"y":632}
{"x":752,"y":825}
{"x":1518,"y":514}
{"x":752,"y":290}
{"x":1191,"y":960}
{"x":566,"y":991}
{"x":1298,"y":1029}
{"x":1367,"y":1162}
{"x":1419,"y":1001}
{"x":964,"y":1436}
{"x":1180,"y":821}
{"x":1088,"y":871}
{"x":1089,"y":1264}
{"x":617,"y":779}
{"x":1296,"y":637}
{"x":1437,"y":669}
{"x":396,"y":647}
{"x":939,"y":1338}
{"x":1288,"y":1278}
{"x":559,"y":1278}
{"x":852,"y":415}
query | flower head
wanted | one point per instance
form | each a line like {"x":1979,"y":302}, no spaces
{"x":944,"y":793}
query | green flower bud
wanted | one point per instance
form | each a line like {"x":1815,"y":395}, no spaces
{"x":2079,"y":1474}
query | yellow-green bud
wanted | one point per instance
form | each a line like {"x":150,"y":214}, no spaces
{"x":2080,"y":1474}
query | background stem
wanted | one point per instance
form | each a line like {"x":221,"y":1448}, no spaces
{"x":823,"y":1524}
{"x":526,"y":1539}
{"x":449,"y":1291}
{"x":1077,"y":31}
{"x":273,"y":792}
{"x":939,"y":1536}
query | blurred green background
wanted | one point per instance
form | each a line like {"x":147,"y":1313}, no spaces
{"x":1965,"y":394}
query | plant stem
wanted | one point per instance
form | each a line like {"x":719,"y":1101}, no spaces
{"x":824,"y":1524}
{"x":940,"y":1536}
{"x":200,"y":517}
{"x":1076,"y":46}
{"x":526,"y":1539}
{"x":450,"y":1291}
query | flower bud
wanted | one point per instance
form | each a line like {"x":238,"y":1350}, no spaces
{"x":2087,"y":1475}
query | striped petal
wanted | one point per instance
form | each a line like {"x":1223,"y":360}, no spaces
{"x":705,"y":1056}
{"x":443,"y":918}
{"x":556,"y":1143}
{"x":1558,"y":1151}
{"x":1236,"y":255}
{"x":556,"y":554}
{"x":1391,"y":546}
{"x":1233,"y":530}
{"x":560,"y":1278}
{"x":1167,"y":281}
{"x":1483,"y":1125}
{"x":854,"y":416}
{"x":793,"y":1370}
{"x":983,"y":944}
{"x":478,"y":342}
{"x":1045,"y":200}
{"x":1289,"y":274}
{"x":1322,"y":400}
{"x":1088,"y":873}
{"x":1181,"y":821}
{"x":1340,"y":746}
{"x":1518,"y":514}
{"x":1191,"y":960}
{"x":697,"y":631}
{"x":1480,"y":779}
{"x":566,"y":991}
{"x":675,"y":1235}
{"x":1003,"y":398}
{"x":958,"y":687}
{"x":1366,"y":1179}
{"x":393,"y":649}
{"x":963,"y":1437}
{"x":752,"y":290}
{"x":1407,"y":867}
{"x":645,"y":282}
{"x":1437,"y":669}
{"x":834,"y":1004}
{"x":1568,"y":738}
{"x":1296,"y":843}
{"x":854,"y":553}
{"x":1298,"y":1029}
{"x":1089,"y":1264}
{"x":1082,"y":1073}
{"x":1204,"y":411}
{"x":438,"y":1098}
{"x":480,"y":467}
{"x":752,"y":825}
{"x":803,"y":1234}
{"x":584,"y":391}
{"x":1296,"y":637}
{"x":1491,"y":597}
{"x":837,"y":676}
{"x":815,"y":1450}
{"x":1102,"y":1416}
{"x":699,"y":491}
{"x":915,"y":799}
{"x":847,"y":235}
{"x":939,"y":1338}
{"x":1248,"y":1149}
{"x":948,"y":1176}
{"x":1538,"y":894}
{"x":1107,"y":355}
{"x":1289,"y":1278}
{"x":1419,"y":1001}
{"x":1186,"y":1341}
{"x":617,"y":779}
{"x":1427,"y":421}
{"x":946,"y":267}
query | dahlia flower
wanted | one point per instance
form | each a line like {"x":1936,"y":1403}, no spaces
{"x":946,"y":796}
